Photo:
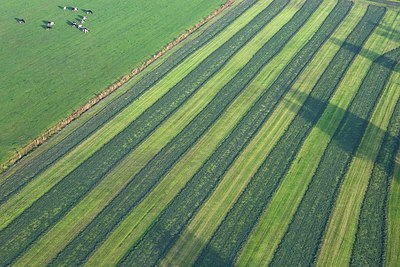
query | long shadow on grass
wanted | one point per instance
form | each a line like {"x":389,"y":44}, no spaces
{"x":366,"y":53}
{"x":389,"y":32}
{"x":309,"y":108}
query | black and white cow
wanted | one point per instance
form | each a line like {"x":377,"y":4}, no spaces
{"x":20,"y":21}
{"x":89,"y":11}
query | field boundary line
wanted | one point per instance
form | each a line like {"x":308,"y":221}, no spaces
{"x":77,"y":113}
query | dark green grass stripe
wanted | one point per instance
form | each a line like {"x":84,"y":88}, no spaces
{"x":38,"y":164}
{"x":46,"y":211}
{"x":369,"y":246}
{"x":140,"y":185}
{"x":240,"y":220}
{"x":164,"y":232}
{"x":304,"y":235}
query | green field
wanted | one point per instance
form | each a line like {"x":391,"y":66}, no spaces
{"x":270,"y":137}
{"x":47,"y":74}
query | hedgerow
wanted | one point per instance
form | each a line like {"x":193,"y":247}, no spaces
{"x":300,"y":244}
{"x":47,"y":210}
{"x":162,"y":234}
{"x":39,"y":163}
{"x":369,"y":246}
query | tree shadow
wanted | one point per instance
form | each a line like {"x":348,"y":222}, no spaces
{"x":389,"y":3}
{"x":388,"y":32}
{"x":310,"y":107}
{"x":366,"y":53}
{"x":193,"y":239}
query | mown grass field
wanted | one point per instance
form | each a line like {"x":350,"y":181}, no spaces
{"x":46,"y":75}
{"x":271,"y":137}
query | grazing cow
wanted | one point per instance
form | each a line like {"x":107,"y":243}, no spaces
{"x":21,"y":21}
{"x":80,"y":26}
{"x":74,"y":24}
{"x":50,"y":24}
{"x":64,"y":8}
{"x":74,"y":9}
{"x":84,"y":18}
{"x":89,"y":11}
{"x":85,"y":30}
{"x":82,"y":21}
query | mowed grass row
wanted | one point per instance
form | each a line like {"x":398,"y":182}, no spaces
{"x":305,"y":231}
{"x":174,"y":218}
{"x":369,"y":246}
{"x":66,"y":229}
{"x":339,"y":237}
{"x":92,"y":233}
{"x":243,"y":216}
{"x":64,"y":166}
{"x":200,"y":230}
{"x":167,"y":157}
{"x":39,"y":163}
{"x":392,"y":257}
{"x":203,"y":225}
{"x":131,"y":228}
{"x":72,"y":188}
{"x":275,"y":218}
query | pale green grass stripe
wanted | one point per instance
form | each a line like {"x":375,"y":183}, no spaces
{"x":340,"y":234}
{"x":45,"y":181}
{"x":259,"y":248}
{"x":63,"y":232}
{"x":142,"y":216}
{"x":392,"y":256}
{"x":203,"y":225}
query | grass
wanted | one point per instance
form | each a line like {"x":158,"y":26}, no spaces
{"x":272,"y":225}
{"x":221,"y":151}
{"x":392,"y":257}
{"x":69,"y":68}
{"x":200,"y":230}
{"x":337,"y":245}
{"x":155,"y":142}
{"x":107,"y":132}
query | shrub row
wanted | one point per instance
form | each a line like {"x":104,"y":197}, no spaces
{"x":304,"y":234}
{"x":140,"y":185}
{"x":39,"y":163}
{"x":46,"y":211}
{"x":369,"y":246}
{"x":164,"y":232}
{"x":240,"y":220}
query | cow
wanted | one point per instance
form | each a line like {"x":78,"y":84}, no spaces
{"x":82,"y":21}
{"x":84,"y":18}
{"x":20,"y":21}
{"x":64,"y":8}
{"x":50,"y":24}
{"x":89,"y":11}
{"x":85,"y":30}
{"x":74,"y":9}
{"x":74,"y":24}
